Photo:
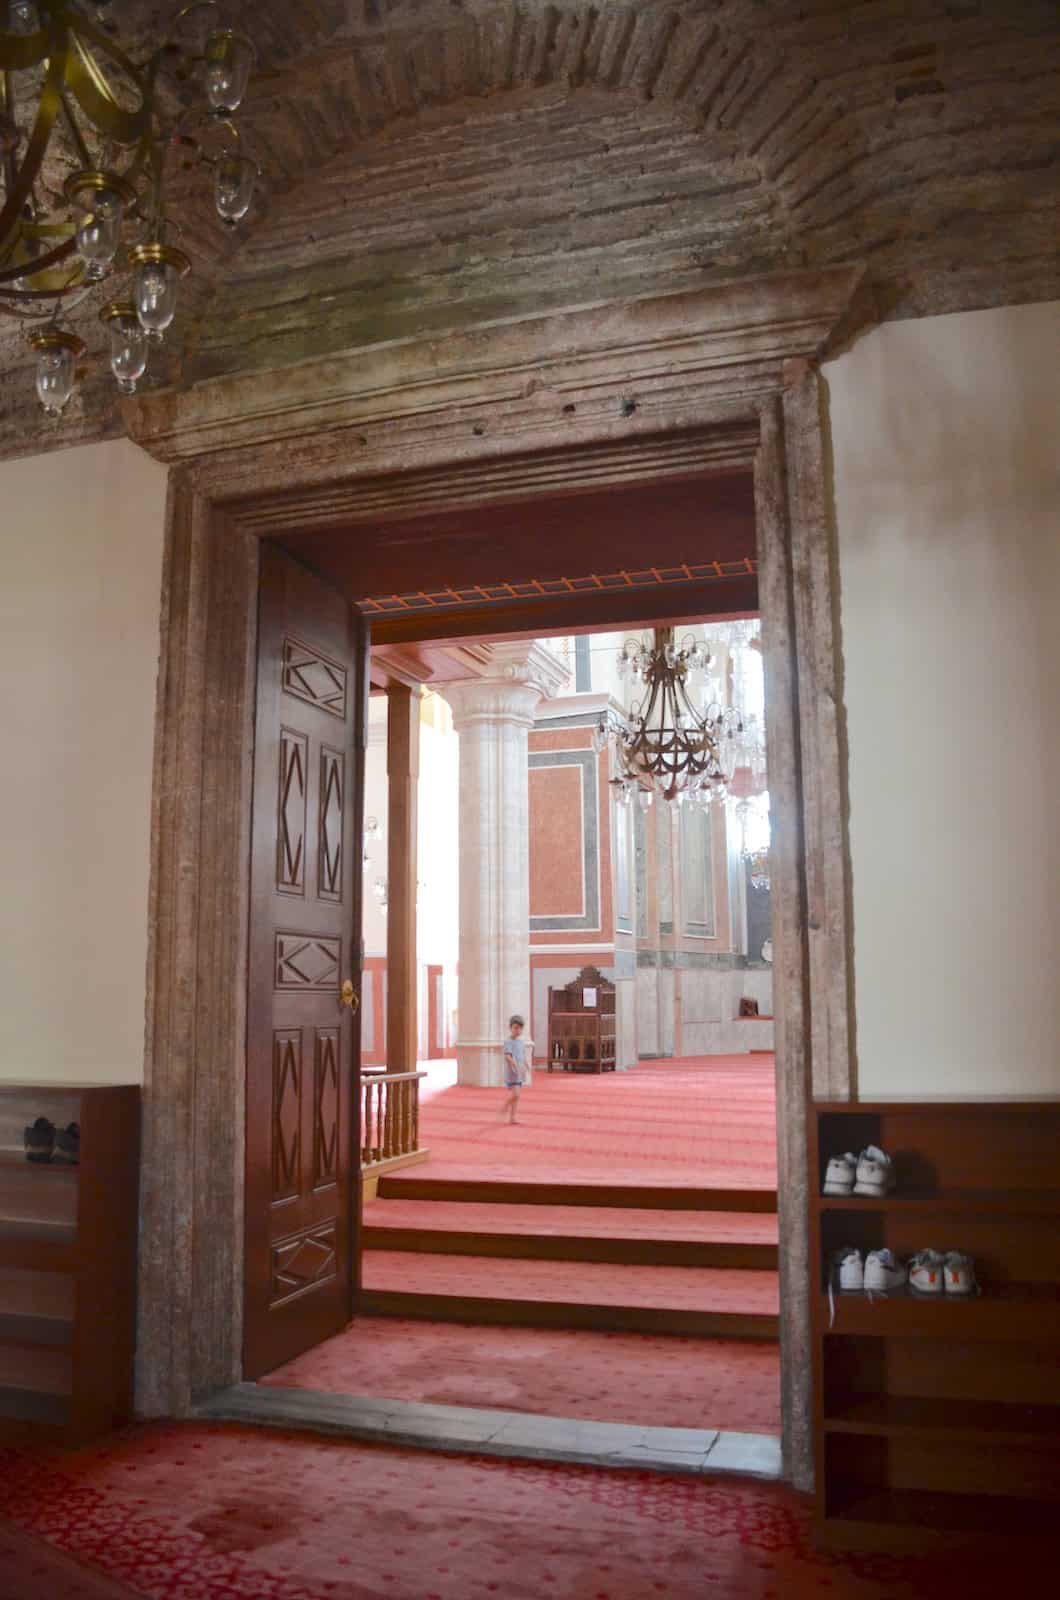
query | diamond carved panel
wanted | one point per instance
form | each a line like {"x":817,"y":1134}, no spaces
{"x":286,"y":1114}
{"x":307,"y":961}
{"x":303,"y":1261}
{"x":326,"y":1108}
{"x":310,"y":675}
{"x":329,"y":856}
{"x":291,"y":818}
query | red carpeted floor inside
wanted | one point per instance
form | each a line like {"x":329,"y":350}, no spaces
{"x":709,"y":1121}
{"x":197,"y":1512}
{"x":560,"y":1372}
{"x":594,"y":1282}
{"x":694,"y":1123}
{"x":602,"y":1222}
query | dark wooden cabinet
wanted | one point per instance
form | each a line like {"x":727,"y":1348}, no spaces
{"x":937,"y":1420}
{"x":68,"y":1263}
{"x":581,"y":1024}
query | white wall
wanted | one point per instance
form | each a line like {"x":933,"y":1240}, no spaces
{"x":81,"y":535}
{"x":945,"y":452}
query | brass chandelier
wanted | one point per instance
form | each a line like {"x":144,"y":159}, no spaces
{"x":83,"y":152}
{"x":666,"y":745}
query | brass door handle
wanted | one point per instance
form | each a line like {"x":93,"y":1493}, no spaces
{"x":348,"y":995}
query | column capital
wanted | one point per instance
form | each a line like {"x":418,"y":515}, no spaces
{"x":511,"y":679}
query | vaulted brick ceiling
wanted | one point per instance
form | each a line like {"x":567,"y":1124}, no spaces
{"x":437,"y":163}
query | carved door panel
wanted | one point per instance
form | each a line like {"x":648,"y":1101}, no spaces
{"x":303,"y":1041}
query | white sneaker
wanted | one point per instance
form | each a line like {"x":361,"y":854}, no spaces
{"x":959,"y":1273}
{"x":875,"y":1172}
{"x":848,"y":1270}
{"x":883,"y":1272}
{"x":840,"y":1173}
{"x":925,"y":1272}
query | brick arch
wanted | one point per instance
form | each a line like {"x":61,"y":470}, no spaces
{"x":779,"y":144}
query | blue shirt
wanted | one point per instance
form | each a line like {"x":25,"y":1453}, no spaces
{"x":515,"y":1069}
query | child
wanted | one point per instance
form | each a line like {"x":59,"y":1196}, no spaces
{"x":514,"y":1067}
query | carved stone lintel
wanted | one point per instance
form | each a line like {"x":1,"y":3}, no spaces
{"x":730,"y":339}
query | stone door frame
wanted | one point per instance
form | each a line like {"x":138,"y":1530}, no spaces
{"x":717,"y":379}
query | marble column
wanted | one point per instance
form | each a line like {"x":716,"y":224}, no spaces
{"x":403,"y":772}
{"x":493,"y":713}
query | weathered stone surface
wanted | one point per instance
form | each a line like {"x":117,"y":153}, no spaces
{"x":434,"y":165}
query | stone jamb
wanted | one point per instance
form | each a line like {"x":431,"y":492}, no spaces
{"x":191,"y":1267}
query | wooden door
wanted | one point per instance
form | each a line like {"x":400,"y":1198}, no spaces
{"x":303,"y":1039}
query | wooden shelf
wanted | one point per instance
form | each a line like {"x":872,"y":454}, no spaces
{"x":30,"y":1405}
{"x":1010,"y":1311}
{"x":927,"y":1408}
{"x":928,"y":1417}
{"x":38,"y":1251}
{"x":915,"y":1519}
{"x":33,"y":1332}
{"x":992,"y":1203}
{"x":68,"y":1262}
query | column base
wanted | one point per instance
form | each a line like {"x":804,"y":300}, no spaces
{"x":480,"y":1062}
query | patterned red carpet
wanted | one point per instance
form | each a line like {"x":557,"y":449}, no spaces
{"x":559,"y":1372}
{"x":195,"y":1512}
{"x":708,"y":1121}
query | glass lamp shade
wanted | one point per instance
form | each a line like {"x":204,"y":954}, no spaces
{"x":57,"y":356}
{"x":99,"y":233}
{"x":155,"y":288}
{"x":128,"y":345}
{"x":156,"y":269}
{"x":234,"y":186}
{"x":101,"y":200}
{"x":229,"y":59}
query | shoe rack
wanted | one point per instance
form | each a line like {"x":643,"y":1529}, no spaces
{"x":937,"y":1419}
{"x":68,"y":1264}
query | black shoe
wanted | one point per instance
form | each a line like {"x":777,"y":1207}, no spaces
{"x":39,"y":1140}
{"x":68,"y":1145}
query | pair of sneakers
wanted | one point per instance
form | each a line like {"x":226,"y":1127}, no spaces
{"x":43,"y":1141}
{"x":935,"y":1272}
{"x":870,"y":1173}
{"x":877,"y":1272}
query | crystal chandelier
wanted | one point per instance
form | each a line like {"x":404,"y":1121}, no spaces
{"x":666,"y":744}
{"x":754,"y":833}
{"x":83,"y":148}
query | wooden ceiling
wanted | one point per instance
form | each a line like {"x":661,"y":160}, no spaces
{"x":434,"y":165}
{"x":691,"y":522}
{"x":635,"y":555}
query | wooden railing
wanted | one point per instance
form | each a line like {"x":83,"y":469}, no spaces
{"x":390,"y":1116}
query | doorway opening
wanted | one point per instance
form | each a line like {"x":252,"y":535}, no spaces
{"x":602,"y":1229}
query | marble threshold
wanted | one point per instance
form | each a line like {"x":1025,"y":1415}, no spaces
{"x":515,"y":1434}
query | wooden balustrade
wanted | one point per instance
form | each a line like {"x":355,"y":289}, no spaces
{"x":390,"y":1118}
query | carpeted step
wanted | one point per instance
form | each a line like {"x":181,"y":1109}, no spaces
{"x":531,"y":1192}
{"x":732,"y":1303}
{"x":574,"y":1233}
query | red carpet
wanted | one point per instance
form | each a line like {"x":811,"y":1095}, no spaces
{"x":191,"y":1512}
{"x":708,"y":1121}
{"x":607,"y":1222}
{"x":560,"y":1372}
{"x":581,"y":1282}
